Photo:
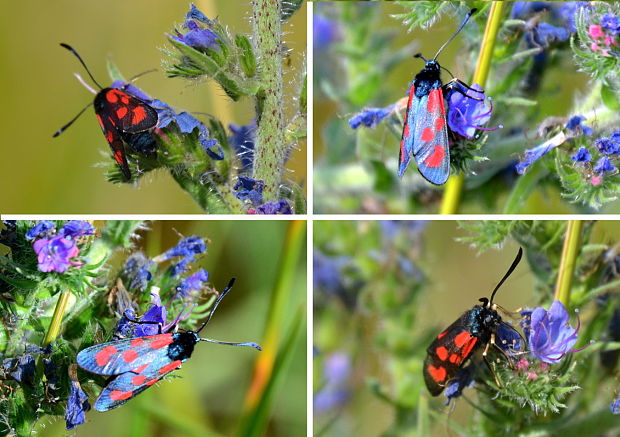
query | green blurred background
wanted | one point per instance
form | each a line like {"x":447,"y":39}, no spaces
{"x":207,"y":395}
{"x":455,"y":277}
{"x":41,"y":174}
{"x":344,"y":179}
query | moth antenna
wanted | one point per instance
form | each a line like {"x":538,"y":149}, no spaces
{"x":217,"y":302}
{"x":514,"y":265}
{"x":72,"y":50}
{"x":455,"y":33}
{"x":419,"y":55}
{"x":249,"y":343}
{"x":139,"y":75}
{"x":62,"y":129}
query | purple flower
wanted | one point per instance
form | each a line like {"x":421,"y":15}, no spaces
{"x":136,"y":271}
{"x":534,"y":154}
{"x":41,"y":229}
{"x":187,"y":247}
{"x":54,"y":254}
{"x":77,"y":406}
{"x":193,"y":282}
{"x":336,"y":371}
{"x":575,"y":124}
{"x":325,"y":32}
{"x":604,"y":165}
{"x":392,"y":228}
{"x":248,"y":188}
{"x":125,"y":326}
{"x":549,"y":334}
{"x":607,"y":146}
{"x":155,"y":316}
{"x":131,"y":89}
{"x":76,"y":228}
{"x":582,"y":155}
{"x":463,"y":379}
{"x":611,"y":22}
{"x":370,"y":117}
{"x":278,"y":207}
{"x":544,"y":34}
{"x":197,"y":37}
{"x":242,"y":141}
{"x":465,"y":114}
{"x":20,"y":369}
{"x":615,"y":406}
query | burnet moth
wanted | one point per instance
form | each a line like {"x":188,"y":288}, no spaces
{"x":123,"y":119}
{"x":475,"y":329}
{"x":137,"y":363}
{"x":425,"y":133}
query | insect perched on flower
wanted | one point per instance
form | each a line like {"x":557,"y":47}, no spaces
{"x":425,"y":134}
{"x":140,"y":362}
{"x":478,"y":327}
{"x":123,"y":117}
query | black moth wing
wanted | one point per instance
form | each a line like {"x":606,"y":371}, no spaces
{"x":447,"y":353}
{"x":127,"y":386}
{"x":128,"y":113}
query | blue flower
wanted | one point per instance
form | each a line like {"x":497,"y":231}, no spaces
{"x":50,"y":370}
{"x":608,"y":146}
{"x":334,"y":393}
{"x":370,"y":117}
{"x":615,"y":406}
{"x":77,"y":406}
{"x":197,"y":14}
{"x":248,"y":188}
{"x":549,"y":334}
{"x":136,"y":271}
{"x":125,"y":326}
{"x":155,"y":316}
{"x":465,"y":114}
{"x":534,"y":154}
{"x":76,"y":228}
{"x":575,"y":124}
{"x":187,"y":247}
{"x":242,"y":141}
{"x":41,"y":229}
{"x":544,"y":34}
{"x":55,"y":254}
{"x":604,"y":165}
{"x":463,"y":379}
{"x":611,"y":22}
{"x":197,"y":37}
{"x":582,"y":155}
{"x":271,"y":208}
{"x":392,"y":228}
{"x":20,"y":369}
{"x":325,"y":32}
{"x":193,"y":282}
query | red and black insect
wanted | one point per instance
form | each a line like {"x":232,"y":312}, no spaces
{"x":475,"y":329}
{"x":425,"y":133}
{"x":140,"y":362}
{"x":124,"y":118}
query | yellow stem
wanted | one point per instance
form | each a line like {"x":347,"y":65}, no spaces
{"x":54,"y":328}
{"x":454,"y":186}
{"x":568,"y":262}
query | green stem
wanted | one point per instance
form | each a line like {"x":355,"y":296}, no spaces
{"x":454,"y":186}
{"x":568,"y":262}
{"x":210,"y":200}
{"x":54,"y":328}
{"x":269,"y":151}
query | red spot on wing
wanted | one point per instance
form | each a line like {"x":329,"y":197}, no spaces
{"x":136,"y":342}
{"x":118,"y":157}
{"x":436,"y":158}
{"x":112,"y":96}
{"x":442,"y":334}
{"x":406,"y":131}
{"x":442,"y":353}
{"x":169,"y":367}
{"x":100,"y":120}
{"x":118,"y":395}
{"x":427,"y":135}
{"x":139,"y":114}
{"x":411,"y":94}
{"x":109,"y":136}
{"x":152,"y":381}
{"x":440,"y":123}
{"x":454,"y":358}
{"x":141,"y":368}
{"x":103,"y":356}
{"x":161,"y":341}
{"x":129,"y":355}
{"x":121,"y":112}
{"x":402,"y":151}
{"x":138,"y":380}
{"x":468,"y":347}
{"x":434,"y":101}
{"x":437,"y":373}
{"x":462,"y":338}
{"x":125,"y":99}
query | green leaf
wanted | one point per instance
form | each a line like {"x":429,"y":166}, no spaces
{"x":113,"y":71}
{"x":247,"y":58}
{"x":610,"y":97}
{"x":524,"y":187}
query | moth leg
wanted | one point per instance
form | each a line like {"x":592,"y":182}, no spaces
{"x":451,"y":86}
{"x":159,"y":324}
{"x":486,"y":360}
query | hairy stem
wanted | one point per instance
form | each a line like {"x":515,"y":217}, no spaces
{"x":54,"y":328}
{"x":269,"y":147}
{"x":454,"y":186}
